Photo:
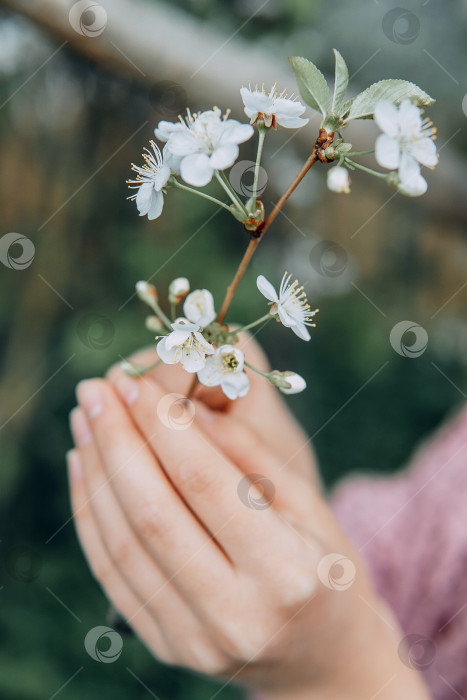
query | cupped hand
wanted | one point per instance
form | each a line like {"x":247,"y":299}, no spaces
{"x":209,"y":536}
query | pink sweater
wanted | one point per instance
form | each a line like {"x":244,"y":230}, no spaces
{"x":412,"y":531}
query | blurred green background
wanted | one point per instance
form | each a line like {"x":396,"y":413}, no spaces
{"x":369,"y":261}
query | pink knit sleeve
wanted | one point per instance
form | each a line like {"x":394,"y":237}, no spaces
{"x":411,"y":529}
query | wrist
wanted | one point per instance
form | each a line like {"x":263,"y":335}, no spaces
{"x":371,"y":669}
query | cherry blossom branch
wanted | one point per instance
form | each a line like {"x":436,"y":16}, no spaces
{"x":255,"y":239}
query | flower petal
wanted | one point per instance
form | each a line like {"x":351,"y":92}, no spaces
{"x":412,"y":183}
{"x":286,"y":319}
{"x":157,"y":202}
{"x":206,"y":347}
{"x":266,"y":288}
{"x":287,"y":108}
{"x":144,"y":198}
{"x":224,"y":156}
{"x":161,"y":176}
{"x":197,"y":169}
{"x":386,"y":115}
{"x":169,"y":356}
{"x":302,"y":331}
{"x":387,"y":152}
{"x":164,"y":129}
{"x":183,"y":143}
{"x":291,"y":122}
{"x":176,"y":338}
{"x":199,"y":307}
{"x":424,"y":150}
{"x":256,"y":101}
{"x":235,"y":132}
{"x":192,"y":360}
{"x":235,"y":385}
{"x":211,"y":374}
{"x":410,"y":120}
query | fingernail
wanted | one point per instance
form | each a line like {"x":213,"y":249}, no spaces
{"x":80,"y":428}
{"x":89,"y":396}
{"x":74,"y":467}
{"x":204,"y":413}
{"x":127,"y":388}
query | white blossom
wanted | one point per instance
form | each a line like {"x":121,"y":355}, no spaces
{"x":338,"y":179}
{"x":295,"y":381}
{"x":272,"y":109}
{"x":178,"y":288}
{"x":150,"y":180}
{"x":199,"y":307}
{"x":225,"y":369}
{"x":204,"y":143}
{"x":406,"y":143}
{"x":185,"y":345}
{"x":290,"y":305}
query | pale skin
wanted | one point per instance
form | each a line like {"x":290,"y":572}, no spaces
{"x":206,"y":581}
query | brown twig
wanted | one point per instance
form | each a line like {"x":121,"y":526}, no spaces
{"x":254,"y":241}
{"x":324,"y":139}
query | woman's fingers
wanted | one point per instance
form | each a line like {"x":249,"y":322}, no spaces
{"x":242,"y":445}
{"x":206,"y":479}
{"x":156,"y":592}
{"x":183,"y":549}
{"x":262,"y":408}
{"x":124,"y":599}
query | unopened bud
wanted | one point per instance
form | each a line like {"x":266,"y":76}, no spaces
{"x":147,"y":293}
{"x":287,"y":382}
{"x":178,"y":288}
{"x":154,"y":324}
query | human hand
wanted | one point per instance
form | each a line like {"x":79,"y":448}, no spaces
{"x":208,"y":580}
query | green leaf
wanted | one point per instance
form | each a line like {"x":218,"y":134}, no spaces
{"x":345,"y":107}
{"x":341,"y":80}
{"x":394,"y":90}
{"x":311,"y":84}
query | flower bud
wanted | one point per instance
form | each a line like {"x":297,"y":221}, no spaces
{"x":147,"y":293}
{"x":154,"y":324}
{"x":287,"y":382}
{"x":178,"y":289}
{"x":338,"y":179}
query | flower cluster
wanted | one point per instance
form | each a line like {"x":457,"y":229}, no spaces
{"x":207,"y":349}
{"x":199,"y":149}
